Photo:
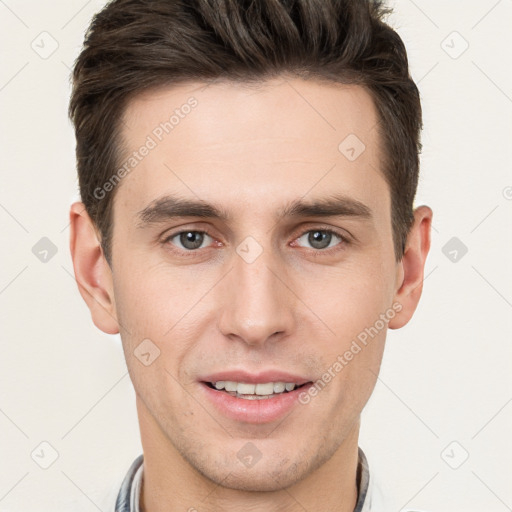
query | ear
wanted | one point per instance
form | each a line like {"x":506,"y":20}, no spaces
{"x":92,"y":272}
{"x":410,"y":270}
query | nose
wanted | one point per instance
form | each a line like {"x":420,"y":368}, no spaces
{"x":256,"y":302}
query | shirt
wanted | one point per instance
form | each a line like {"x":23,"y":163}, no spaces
{"x":128,"y":499}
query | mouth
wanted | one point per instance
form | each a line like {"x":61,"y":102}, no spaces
{"x":258,"y":402}
{"x":260,"y":391}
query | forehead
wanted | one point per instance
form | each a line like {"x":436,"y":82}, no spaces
{"x":278,"y":140}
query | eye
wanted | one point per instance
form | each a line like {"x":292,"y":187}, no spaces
{"x":189,"y":240}
{"x":321,"y":239}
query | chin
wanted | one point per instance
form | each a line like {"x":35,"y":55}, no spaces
{"x":258,"y":481}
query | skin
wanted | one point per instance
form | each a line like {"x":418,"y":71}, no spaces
{"x":251,"y":150}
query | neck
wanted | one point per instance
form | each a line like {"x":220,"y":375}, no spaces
{"x":170,"y":483}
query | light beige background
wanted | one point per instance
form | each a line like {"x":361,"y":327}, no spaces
{"x":445,"y":387}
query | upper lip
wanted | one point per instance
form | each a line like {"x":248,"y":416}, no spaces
{"x":255,"y":378}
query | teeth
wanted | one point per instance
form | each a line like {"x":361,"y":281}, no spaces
{"x":230,"y":385}
{"x":265,"y":389}
{"x":262,"y":389}
{"x":279,"y":387}
{"x":245,"y":389}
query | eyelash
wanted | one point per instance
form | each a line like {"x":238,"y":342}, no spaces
{"x":316,"y":252}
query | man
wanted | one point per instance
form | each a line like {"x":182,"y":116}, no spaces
{"x":247,"y":171}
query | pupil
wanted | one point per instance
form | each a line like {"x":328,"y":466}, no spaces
{"x":319,"y":237}
{"x":187,"y":239}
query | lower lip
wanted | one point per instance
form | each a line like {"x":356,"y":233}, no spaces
{"x":265,"y":410}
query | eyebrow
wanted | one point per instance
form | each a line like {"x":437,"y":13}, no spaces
{"x":171,"y":206}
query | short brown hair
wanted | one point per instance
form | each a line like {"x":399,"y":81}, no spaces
{"x":135,"y":45}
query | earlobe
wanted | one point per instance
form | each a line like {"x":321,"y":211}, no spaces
{"x":410,"y":273}
{"x":92,"y":272}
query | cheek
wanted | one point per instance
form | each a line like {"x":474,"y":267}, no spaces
{"x":140,"y":306}
{"x":355,"y":309}
{"x":152,"y":313}
{"x":148,"y":297}
{"x":153,"y":304}
{"x":348,"y":299}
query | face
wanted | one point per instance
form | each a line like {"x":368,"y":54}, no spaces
{"x":267,"y":278}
